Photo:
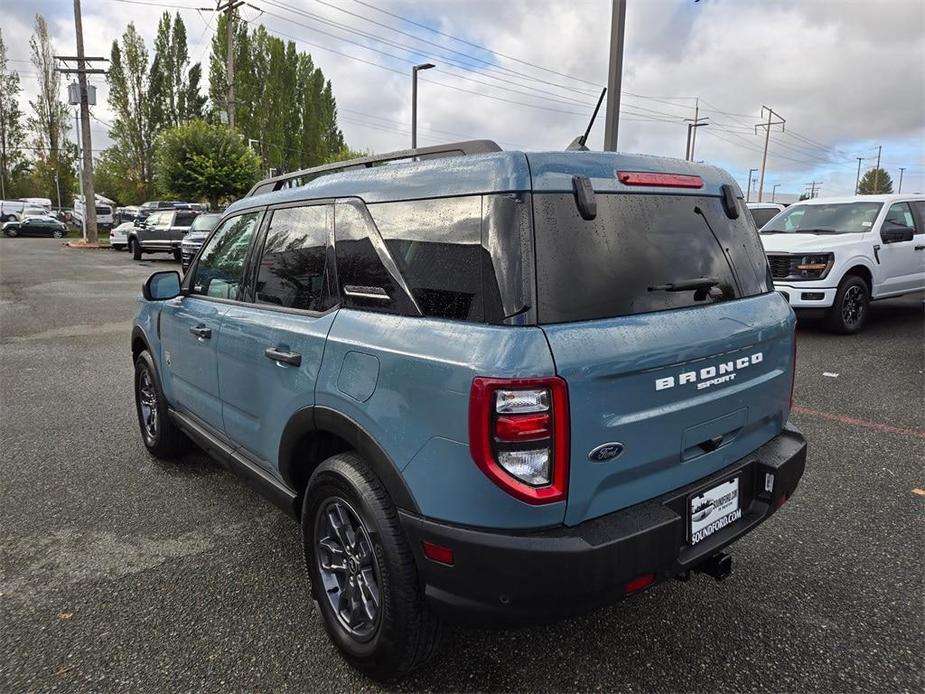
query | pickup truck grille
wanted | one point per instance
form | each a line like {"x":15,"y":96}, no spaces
{"x":783,"y":266}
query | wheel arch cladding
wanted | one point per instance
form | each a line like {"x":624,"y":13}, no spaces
{"x":139,"y":342}
{"x":315,"y":433}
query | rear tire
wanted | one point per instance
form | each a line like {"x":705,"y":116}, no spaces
{"x":849,"y":310}
{"x":12,"y":233}
{"x":58,"y":234}
{"x":160,"y":435}
{"x":135,"y":249}
{"x":402,"y":633}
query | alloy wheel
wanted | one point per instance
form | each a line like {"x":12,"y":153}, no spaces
{"x":852,"y":307}
{"x":348,"y":568}
{"x":147,"y":401}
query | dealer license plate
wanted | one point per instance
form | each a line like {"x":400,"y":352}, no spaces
{"x":714,"y":509}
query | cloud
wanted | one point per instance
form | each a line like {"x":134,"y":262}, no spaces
{"x":845,"y":75}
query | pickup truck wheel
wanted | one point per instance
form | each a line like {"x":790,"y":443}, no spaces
{"x":363,"y":574}
{"x":134,"y":249}
{"x":161,"y":437}
{"x":849,"y":310}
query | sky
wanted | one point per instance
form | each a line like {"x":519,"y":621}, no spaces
{"x":846,"y":76}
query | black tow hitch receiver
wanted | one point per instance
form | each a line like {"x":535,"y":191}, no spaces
{"x":719,"y":566}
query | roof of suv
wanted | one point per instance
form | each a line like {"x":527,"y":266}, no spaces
{"x":496,"y":172}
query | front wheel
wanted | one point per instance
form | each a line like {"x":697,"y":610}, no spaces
{"x":178,"y":256}
{"x":160,"y":435}
{"x":134,"y":249}
{"x":849,"y":310}
{"x":58,"y":234}
{"x":12,"y":232}
{"x":363,"y":575}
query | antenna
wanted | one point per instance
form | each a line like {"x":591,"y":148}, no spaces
{"x":578,"y":144}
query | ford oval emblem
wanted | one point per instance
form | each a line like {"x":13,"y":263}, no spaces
{"x":605,"y":452}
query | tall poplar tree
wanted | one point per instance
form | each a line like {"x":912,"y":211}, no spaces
{"x":12,"y":132}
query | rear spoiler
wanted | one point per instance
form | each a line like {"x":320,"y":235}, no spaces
{"x":303,"y":176}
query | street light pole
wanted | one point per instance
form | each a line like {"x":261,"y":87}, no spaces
{"x":774,"y":191}
{"x":414,"y":101}
{"x":901,"y":170}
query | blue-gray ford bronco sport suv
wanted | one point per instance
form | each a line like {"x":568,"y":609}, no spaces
{"x":492,"y":386}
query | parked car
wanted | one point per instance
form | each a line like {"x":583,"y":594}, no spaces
{"x":160,"y":232}
{"x":764,"y":212}
{"x":126,"y":214}
{"x":11,"y":210}
{"x":834,"y":256}
{"x":198,"y":232}
{"x":44,"y":203}
{"x":35,"y":222}
{"x":495,"y":386}
{"x":118,"y":237}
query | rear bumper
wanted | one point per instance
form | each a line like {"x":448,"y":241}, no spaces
{"x":510,"y":578}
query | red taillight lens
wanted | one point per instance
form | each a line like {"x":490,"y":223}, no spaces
{"x":525,"y":427}
{"x":666,"y":180}
{"x":518,"y":435}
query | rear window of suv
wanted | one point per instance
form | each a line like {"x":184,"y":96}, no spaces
{"x":631,"y":258}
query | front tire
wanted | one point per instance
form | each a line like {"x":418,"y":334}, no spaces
{"x":161,"y":437}
{"x":177,"y":256}
{"x":850,"y":307}
{"x":134,"y":249}
{"x":363,"y":574}
{"x":58,"y":234}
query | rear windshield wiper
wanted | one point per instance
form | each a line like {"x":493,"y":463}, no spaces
{"x":686,"y":285}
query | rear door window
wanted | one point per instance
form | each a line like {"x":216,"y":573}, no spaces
{"x":294,"y":271}
{"x":638,"y":254}
{"x":184,"y":218}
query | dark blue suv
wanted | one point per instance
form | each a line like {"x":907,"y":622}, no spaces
{"x":492,"y":386}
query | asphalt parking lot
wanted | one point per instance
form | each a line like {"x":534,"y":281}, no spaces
{"x":119,"y":572}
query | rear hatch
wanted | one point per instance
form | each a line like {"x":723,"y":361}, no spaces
{"x":683,"y":382}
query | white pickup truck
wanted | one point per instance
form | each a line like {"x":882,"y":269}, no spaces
{"x":839,"y":254}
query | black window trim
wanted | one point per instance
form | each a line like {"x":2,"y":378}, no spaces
{"x":916,"y":222}
{"x":257,"y":258}
{"x":185,"y":286}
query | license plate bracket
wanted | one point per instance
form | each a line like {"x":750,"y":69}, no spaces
{"x":712,"y":509}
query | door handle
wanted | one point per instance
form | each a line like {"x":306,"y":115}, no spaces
{"x":280,"y":357}
{"x":201,"y":332}
{"x":920,"y":248}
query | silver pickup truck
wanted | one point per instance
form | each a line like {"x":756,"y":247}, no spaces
{"x":161,"y":232}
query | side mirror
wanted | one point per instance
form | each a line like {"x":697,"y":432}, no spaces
{"x":162,"y":286}
{"x":896,"y":234}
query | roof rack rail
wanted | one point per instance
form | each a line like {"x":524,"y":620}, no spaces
{"x":303,"y":176}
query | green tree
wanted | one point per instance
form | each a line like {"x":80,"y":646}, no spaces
{"x":138,"y":115}
{"x":116,"y":179}
{"x":174,"y":84}
{"x":202,"y":161}
{"x":282,"y":100}
{"x":874,"y":182}
{"x":49,"y":120}
{"x":12,"y":132}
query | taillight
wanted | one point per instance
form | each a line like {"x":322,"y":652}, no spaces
{"x":518,"y":435}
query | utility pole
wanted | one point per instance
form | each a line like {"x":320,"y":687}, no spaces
{"x":748,"y":195}
{"x":774,"y":191}
{"x":814,"y":186}
{"x":614,"y":75}
{"x":857,"y":182}
{"x":877,"y":171}
{"x":692,"y":125}
{"x":414,"y":101}
{"x":901,"y":169}
{"x":83,"y":98}
{"x":229,"y":8}
{"x":767,"y":136}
